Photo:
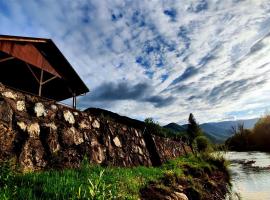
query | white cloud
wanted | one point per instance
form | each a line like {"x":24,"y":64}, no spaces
{"x":224,"y":44}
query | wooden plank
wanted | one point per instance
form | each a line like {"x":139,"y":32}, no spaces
{"x":22,"y":39}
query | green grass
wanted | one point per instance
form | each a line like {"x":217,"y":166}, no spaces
{"x":93,"y":182}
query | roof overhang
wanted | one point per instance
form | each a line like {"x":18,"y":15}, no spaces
{"x":24,"y":61}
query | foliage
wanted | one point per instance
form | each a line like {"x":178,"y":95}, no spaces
{"x":240,"y":139}
{"x":250,"y":140}
{"x":155,"y":129}
{"x":193,"y":129}
{"x":202,"y":144}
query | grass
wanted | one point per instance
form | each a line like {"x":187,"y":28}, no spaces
{"x":96,"y":182}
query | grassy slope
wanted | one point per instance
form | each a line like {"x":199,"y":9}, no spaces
{"x":123,"y":183}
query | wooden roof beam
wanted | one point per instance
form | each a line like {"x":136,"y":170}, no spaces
{"x":23,"y":39}
{"x":6,"y":59}
{"x":48,"y":80}
{"x":33,"y":73}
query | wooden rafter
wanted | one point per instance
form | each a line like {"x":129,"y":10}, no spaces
{"x":48,"y":80}
{"x":6,"y":59}
{"x":33,"y":73}
{"x":40,"y":79}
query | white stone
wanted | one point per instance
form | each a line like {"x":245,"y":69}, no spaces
{"x":181,"y":196}
{"x":136,"y":133}
{"x":90,"y":118}
{"x":51,"y":126}
{"x":69,"y":117}
{"x":84,"y":125}
{"x":40,"y":110}
{"x":96,"y":124}
{"x":142,"y":142}
{"x":98,"y":153}
{"x":33,"y":130}
{"x":117,"y":142}
{"x":22,"y":125}
{"x":75,"y":113}
{"x":138,"y":150}
{"x":20,"y":105}
{"x":54,"y":107}
{"x":10,"y":95}
{"x":76,"y":136}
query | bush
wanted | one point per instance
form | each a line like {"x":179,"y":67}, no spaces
{"x":202,"y":144}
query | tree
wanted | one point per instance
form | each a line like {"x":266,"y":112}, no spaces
{"x":193,"y":130}
{"x":153,"y":127}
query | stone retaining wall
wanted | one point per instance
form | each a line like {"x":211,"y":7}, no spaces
{"x":42,"y":134}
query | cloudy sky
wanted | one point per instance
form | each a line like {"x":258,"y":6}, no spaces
{"x":158,"y":58}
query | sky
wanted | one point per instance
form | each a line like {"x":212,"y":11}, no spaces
{"x":158,"y":58}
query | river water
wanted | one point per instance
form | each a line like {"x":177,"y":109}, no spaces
{"x":250,"y":173}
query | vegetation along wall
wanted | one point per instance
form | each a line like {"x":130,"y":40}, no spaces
{"x":37,"y":134}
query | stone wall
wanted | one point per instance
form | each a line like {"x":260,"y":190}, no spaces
{"x":41,"y":134}
{"x":168,"y":149}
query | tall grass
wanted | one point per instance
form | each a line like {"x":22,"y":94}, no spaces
{"x":91,"y":182}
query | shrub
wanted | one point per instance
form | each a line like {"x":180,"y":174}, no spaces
{"x":202,"y":144}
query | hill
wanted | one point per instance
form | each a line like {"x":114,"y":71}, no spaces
{"x":217,"y":132}
{"x":175,"y":127}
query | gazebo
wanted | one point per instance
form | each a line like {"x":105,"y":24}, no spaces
{"x":37,"y":66}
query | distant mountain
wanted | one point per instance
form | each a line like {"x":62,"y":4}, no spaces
{"x":222,"y":130}
{"x":175,"y":127}
{"x":178,"y":128}
{"x":217,"y":132}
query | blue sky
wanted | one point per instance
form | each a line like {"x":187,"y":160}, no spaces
{"x":157,"y":58}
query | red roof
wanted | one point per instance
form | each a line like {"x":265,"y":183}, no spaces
{"x":23,"y":58}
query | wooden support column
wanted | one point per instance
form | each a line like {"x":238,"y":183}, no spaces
{"x":74,"y":100}
{"x":40,"y":83}
{"x":40,"y":79}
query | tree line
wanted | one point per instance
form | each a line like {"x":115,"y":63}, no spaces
{"x":256,"y":139}
{"x":193,"y":136}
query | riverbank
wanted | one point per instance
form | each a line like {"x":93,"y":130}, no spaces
{"x":188,"y":177}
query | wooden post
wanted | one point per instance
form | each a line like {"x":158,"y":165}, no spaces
{"x":40,"y":83}
{"x":74,"y":100}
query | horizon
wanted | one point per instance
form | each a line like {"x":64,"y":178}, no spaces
{"x":209,"y":58}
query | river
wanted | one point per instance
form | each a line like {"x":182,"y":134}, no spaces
{"x":250,"y":173}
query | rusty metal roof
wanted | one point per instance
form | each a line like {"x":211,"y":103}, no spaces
{"x":38,"y":54}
